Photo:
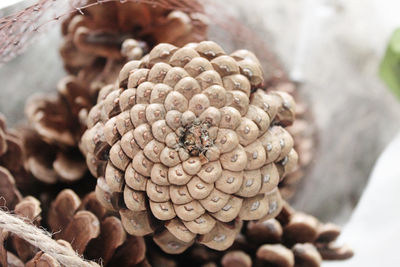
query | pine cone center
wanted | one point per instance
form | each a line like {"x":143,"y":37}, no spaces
{"x":195,"y":138}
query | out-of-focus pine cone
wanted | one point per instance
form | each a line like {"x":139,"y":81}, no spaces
{"x":15,"y":251}
{"x":50,"y":163}
{"x":97,"y":35}
{"x":84,"y":226}
{"x":56,"y":124}
{"x":90,"y":230}
{"x":11,"y":163}
{"x":181,"y":149}
{"x":11,"y":153}
{"x":291,"y":239}
{"x":56,"y":117}
{"x":303,"y":132}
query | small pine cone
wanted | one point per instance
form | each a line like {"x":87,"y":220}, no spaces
{"x":91,"y":232}
{"x":50,"y":163}
{"x":99,"y":33}
{"x":181,"y":149}
{"x":56,"y":118}
{"x":59,"y":121}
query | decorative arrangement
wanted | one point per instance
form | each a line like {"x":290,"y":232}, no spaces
{"x":194,"y":152}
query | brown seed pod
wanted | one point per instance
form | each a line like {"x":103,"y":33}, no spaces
{"x":198,"y":155}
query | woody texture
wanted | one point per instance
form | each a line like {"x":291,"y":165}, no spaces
{"x":96,"y":44}
{"x":182,"y":150}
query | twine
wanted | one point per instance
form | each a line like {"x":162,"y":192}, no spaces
{"x":41,"y":239}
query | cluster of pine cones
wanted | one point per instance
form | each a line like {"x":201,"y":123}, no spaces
{"x":192,"y":155}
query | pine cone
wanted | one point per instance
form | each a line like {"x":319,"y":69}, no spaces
{"x":291,"y":239}
{"x":99,"y":33}
{"x":84,"y":226}
{"x":303,"y":240}
{"x":92,"y":232}
{"x":11,"y":163}
{"x":183,"y":149}
{"x":304,"y":134}
{"x":57,"y":124}
{"x":50,"y":163}
{"x":11,"y":154}
{"x":13,"y":250}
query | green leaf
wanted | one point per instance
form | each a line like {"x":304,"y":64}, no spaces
{"x":389,"y":70}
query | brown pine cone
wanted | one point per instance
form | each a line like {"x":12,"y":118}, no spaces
{"x":54,"y":130}
{"x":90,"y":230}
{"x":50,"y":163}
{"x":84,"y":226}
{"x":56,"y":124}
{"x":184,"y":150}
{"x":59,"y":121}
{"x":291,"y":239}
{"x":11,"y":166}
{"x":13,"y":250}
{"x":11,"y":154}
{"x":303,"y":131}
{"x":97,"y":34}
{"x":303,"y":240}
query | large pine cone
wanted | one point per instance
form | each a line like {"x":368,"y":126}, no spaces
{"x":181,"y":144}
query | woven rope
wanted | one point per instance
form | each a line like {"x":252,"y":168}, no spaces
{"x":42,"y":240}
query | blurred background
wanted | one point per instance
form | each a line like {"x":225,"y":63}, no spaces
{"x":330,"y":48}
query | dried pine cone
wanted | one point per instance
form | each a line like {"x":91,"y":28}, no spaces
{"x":56,"y":124}
{"x":97,"y":35}
{"x":184,"y":150}
{"x":13,"y":250}
{"x":303,"y":240}
{"x":54,"y":130}
{"x":291,"y":239}
{"x":50,"y":163}
{"x":11,"y":153}
{"x":304,"y":135}
{"x":11,"y":166}
{"x":90,"y":230}
{"x":84,"y":226}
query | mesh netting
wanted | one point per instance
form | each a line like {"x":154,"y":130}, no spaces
{"x":18,"y":30}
